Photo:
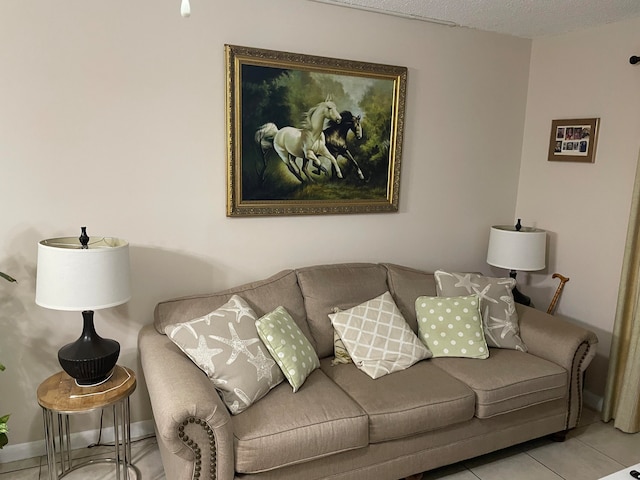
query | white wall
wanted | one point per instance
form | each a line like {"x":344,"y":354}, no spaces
{"x":585,"y":207}
{"x":112,"y":116}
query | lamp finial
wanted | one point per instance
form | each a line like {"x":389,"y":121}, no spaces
{"x":84,"y":238}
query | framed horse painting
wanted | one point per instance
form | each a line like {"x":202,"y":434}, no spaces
{"x":312,"y":135}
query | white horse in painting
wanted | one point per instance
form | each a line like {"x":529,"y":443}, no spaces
{"x":306,"y":143}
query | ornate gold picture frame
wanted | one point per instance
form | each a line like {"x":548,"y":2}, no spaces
{"x":312,"y":135}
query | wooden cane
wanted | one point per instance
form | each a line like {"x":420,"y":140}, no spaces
{"x":554,"y":300}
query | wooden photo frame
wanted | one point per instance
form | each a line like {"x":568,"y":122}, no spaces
{"x":574,"y":140}
{"x":312,"y":135}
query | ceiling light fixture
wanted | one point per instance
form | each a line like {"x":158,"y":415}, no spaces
{"x":410,"y":16}
{"x":185,"y":8}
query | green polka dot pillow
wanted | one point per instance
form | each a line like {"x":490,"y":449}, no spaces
{"x":451,"y":326}
{"x":288,"y":346}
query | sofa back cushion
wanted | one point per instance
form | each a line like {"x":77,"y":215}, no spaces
{"x":406,"y":284}
{"x":326,"y":288}
{"x":263,"y":297}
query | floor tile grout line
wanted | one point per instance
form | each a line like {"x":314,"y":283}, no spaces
{"x":472,"y":472}
{"x":544,"y":465}
{"x":601,"y":452}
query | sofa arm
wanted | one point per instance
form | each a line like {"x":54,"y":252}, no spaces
{"x":192,"y":422}
{"x":556,"y":339}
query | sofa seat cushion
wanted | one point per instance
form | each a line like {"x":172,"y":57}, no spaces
{"x":508,"y":380}
{"x":285,"y":428}
{"x":401,"y":404}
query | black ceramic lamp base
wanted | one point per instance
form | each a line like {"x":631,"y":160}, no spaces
{"x":90,"y":359}
{"x":518,"y":296}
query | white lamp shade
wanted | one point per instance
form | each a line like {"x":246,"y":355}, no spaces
{"x":76,"y":279}
{"x":522,"y":250}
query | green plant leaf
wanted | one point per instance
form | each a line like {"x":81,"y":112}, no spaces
{"x":4,"y":430}
{"x":7,"y":277}
{"x":1,"y":367}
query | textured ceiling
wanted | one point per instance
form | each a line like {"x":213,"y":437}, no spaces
{"x":522,"y":18}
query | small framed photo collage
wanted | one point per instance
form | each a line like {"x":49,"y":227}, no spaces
{"x":573,"y":140}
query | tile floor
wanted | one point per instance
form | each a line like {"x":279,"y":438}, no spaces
{"x":144,"y":453}
{"x":591,"y":451}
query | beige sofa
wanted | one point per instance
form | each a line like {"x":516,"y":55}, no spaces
{"x":342,"y":424}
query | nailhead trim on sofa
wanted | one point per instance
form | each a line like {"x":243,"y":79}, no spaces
{"x":579,"y":384}
{"x":192,"y":445}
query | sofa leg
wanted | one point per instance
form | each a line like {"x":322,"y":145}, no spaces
{"x":559,"y":436}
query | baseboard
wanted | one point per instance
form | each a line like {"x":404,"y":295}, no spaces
{"x":21,"y":451}
{"x":592,"y":400}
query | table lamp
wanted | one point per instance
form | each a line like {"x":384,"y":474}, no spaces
{"x":83,"y":274}
{"x":517,"y":248}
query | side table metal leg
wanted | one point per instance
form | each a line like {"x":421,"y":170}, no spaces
{"x":65,"y":442}
{"x":127,"y":434}
{"x":122,"y":424}
{"x":116,"y":433}
{"x":129,"y":467}
{"x":125,"y":440}
{"x":49,"y":439}
{"x":60,"y":443}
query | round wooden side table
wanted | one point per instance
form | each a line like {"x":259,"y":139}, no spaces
{"x":60,"y":397}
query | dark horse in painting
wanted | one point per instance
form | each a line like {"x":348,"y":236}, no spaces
{"x":335,"y":137}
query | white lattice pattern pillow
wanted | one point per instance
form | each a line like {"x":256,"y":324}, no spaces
{"x":378,"y":338}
